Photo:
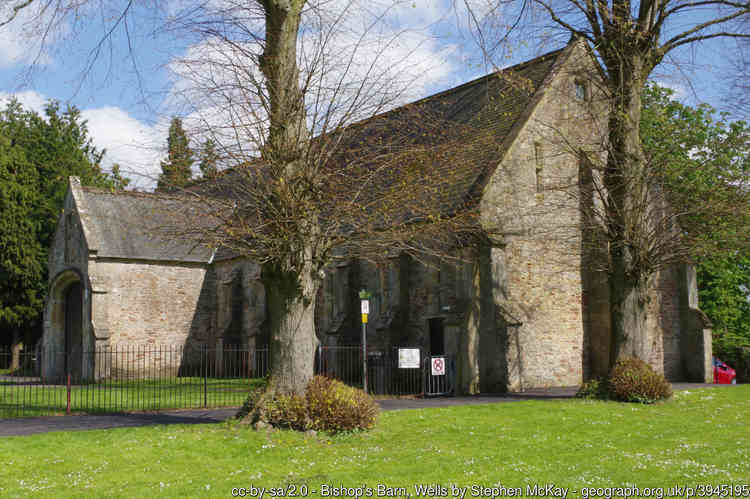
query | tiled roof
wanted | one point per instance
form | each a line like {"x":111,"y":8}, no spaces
{"x":131,"y":225}
{"x":458,"y":137}
{"x":442,"y":148}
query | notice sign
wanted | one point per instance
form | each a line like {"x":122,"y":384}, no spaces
{"x":365,"y":306}
{"x":438,"y":366}
{"x":408,"y":358}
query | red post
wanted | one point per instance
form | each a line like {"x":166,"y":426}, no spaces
{"x":67,"y":408}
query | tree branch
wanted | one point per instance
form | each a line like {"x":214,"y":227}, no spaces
{"x":562,"y":23}
{"x":16,"y":9}
{"x":685,"y":37}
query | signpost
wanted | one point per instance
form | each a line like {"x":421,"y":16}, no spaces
{"x":364,"y":296}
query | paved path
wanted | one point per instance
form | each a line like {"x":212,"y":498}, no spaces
{"x":44,"y":424}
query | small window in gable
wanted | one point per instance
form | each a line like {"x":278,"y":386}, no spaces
{"x":582,"y":91}
{"x":539,"y":162}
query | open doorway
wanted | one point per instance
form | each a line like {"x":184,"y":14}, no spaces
{"x":74,"y":331}
{"x":68,"y":342}
{"x":437,"y":336}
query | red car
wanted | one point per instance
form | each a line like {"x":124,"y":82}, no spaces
{"x":723,"y":374}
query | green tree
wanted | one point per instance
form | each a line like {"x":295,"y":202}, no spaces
{"x":701,"y":163}
{"x":37,"y":155}
{"x":118,"y":182}
{"x":177,"y":169}
{"x":209,"y":158}
{"x":704,"y":164}
{"x":725,"y":297}
{"x":21,"y":264}
{"x":59,"y":146}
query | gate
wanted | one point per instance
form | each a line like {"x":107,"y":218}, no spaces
{"x":439,"y":375}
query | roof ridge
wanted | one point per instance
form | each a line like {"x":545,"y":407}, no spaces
{"x":516,"y":67}
{"x":125,"y":192}
{"x":480,"y":79}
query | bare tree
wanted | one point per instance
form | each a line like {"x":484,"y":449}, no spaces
{"x":630,"y":39}
{"x":312,"y":177}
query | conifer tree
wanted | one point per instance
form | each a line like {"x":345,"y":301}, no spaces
{"x":37,"y":155}
{"x":21,"y":253}
{"x":177,"y":169}
{"x":208,"y":159}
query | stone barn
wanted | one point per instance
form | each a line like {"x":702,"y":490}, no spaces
{"x":528,"y":309}
{"x":118,"y":278}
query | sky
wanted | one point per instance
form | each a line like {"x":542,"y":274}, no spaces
{"x":129,"y":87}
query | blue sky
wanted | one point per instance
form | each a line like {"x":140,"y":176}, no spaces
{"x":128,"y":106}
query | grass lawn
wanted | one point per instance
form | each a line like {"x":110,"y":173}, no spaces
{"x":18,"y":400}
{"x":699,"y":437}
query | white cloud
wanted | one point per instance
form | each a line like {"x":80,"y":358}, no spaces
{"x":21,"y":41}
{"x":680,"y":92}
{"x":356,"y":63}
{"x":29,"y":99}
{"x":137,"y":147}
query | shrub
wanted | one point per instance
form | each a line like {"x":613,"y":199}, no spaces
{"x":286,"y":411}
{"x":328,"y":405}
{"x":334,"y":406}
{"x":593,"y":389}
{"x":633,"y":380}
{"x":250,"y":402}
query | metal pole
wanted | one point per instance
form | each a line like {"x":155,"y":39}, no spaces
{"x":67,"y":407}
{"x":364,"y":356}
{"x":364,"y":296}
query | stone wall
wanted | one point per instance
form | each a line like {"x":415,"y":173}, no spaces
{"x":68,"y":266}
{"x":142,"y":302}
{"x":528,"y":309}
{"x":533,"y":203}
{"x":240,"y":306}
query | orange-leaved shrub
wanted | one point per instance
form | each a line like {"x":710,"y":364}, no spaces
{"x":327,"y":405}
{"x":333,"y":406}
{"x":593,"y":389}
{"x":287,"y":411}
{"x":633,"y":380}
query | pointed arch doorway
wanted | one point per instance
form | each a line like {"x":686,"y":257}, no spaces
{"x":68,"y":342}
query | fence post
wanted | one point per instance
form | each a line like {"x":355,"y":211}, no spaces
{"x":67,"y":407}
{"x":205,"y":376}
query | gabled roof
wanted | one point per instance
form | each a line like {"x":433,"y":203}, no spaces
{"x":140,"y":226}
{"x":462,"y":134}
{"x":464,"y":131}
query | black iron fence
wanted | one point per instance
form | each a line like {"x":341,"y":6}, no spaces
{"x":128,"y":378}
{"x":384,"y":376}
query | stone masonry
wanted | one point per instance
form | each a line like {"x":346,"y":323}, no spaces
{"x":527,"y":309}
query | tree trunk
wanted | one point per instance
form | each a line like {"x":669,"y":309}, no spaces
{"x":15,"y":350}
{"x":287,"y":132}
{"x":291,"y":312}
{"x":290,"y":280}
{"x":628,"y":301}
{"x":627,"y":208}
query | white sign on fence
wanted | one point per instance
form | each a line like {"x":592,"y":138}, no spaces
{"x":408,"y":358}
{"x":438,"y":366}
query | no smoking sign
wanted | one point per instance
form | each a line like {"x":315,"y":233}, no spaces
{"x":438,"y":366}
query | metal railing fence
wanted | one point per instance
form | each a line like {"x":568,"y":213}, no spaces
{"x":130,"y":378}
